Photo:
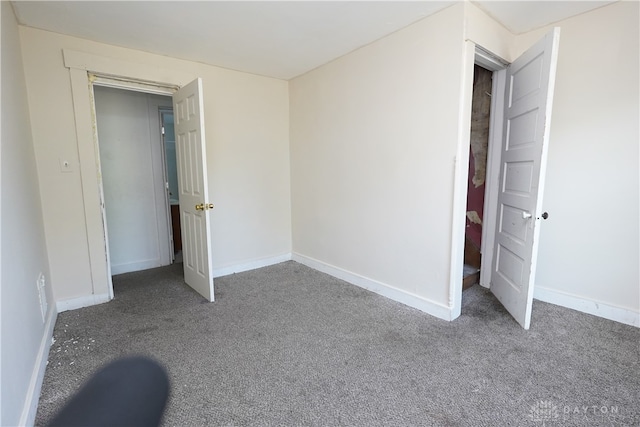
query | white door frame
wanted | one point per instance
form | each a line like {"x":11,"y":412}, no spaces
{"x":84,"y":69}
{"x":476,"y":55}
{"x":499,"y":67}
{"x":161,"y":112}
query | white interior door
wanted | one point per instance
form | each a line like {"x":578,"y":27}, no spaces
{"x":192,"y":183}
{"x":528,"y":98}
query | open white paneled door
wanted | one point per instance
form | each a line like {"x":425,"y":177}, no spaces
{"x":528,"y":99}
{"x":192,"y":183}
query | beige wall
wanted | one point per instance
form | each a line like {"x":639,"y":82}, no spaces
{"x":373,"y":147}
{"x":373,"y":141}
{"x":589,"y":246}
{"x":484,"y":31}
{"x":246,"y":119}
{"x":374,"y":137}
{"x":23,"y":250}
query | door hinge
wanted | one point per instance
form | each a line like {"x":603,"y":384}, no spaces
{"x":162,"y":130}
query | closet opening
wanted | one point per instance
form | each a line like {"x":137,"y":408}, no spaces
{"x":137,"y":154}
{"x":476,"y":184}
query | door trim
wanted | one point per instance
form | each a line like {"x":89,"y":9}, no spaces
{"x":161,"y":112}
{"x":474,"y":54}
{"x":84,"y":70}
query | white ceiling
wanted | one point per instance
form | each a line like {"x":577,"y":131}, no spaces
{"x":281,"y":39}
{"x":522,"y":16}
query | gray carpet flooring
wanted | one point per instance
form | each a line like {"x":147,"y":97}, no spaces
{"x":288,"y":345}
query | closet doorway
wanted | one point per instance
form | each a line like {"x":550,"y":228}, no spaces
{"x":476,"y":185}
{"x":138,"y":172}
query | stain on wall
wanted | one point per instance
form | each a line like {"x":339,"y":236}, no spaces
{"x":480,"y":111}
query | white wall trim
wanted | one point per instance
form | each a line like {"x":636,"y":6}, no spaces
{"x":37,"y":376}
{"x":128,"y":267}
{"x":404,"y":297}
{"x":596,"y":308}
{"x":113,"y":70}
{"x":251,"y":265}
{"x":80,"y":302}
{"x":488,"y":59}
{"x":460,"y":180}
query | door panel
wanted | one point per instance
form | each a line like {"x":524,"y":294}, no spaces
{"x":192,"y":184}
{"x":528,"y":95}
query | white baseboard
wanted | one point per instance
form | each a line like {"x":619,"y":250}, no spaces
{"x":135,"y":266}
{"x":404,"y":297}
{"x":86,"y":301}
{"x":37,"y":376}
{"x":251,"y":265}
{"x":597,"y":308}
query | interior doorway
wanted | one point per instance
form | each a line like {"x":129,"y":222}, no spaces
{"x":134,"y":170}
{"x":476,"y":185}
{"x":520,"y":115}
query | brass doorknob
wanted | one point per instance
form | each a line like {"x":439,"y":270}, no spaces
{"x":204,"y":207}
